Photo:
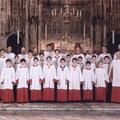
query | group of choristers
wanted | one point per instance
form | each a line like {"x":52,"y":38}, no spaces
{"x":55,"y":75}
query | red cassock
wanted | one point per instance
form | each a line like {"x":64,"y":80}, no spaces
{"x":22,"y":77}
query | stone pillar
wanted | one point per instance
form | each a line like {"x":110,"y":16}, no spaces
{"x":3,"y":23}
{"x":40,"y":27}
{"x":104,"y":24}
{"x":27,"y":27}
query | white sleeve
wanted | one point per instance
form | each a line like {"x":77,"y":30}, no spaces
{"x":13,"y":75}
{"x":40,"y":73}
{"x":54,"y":72}
{"x":2,"y":76}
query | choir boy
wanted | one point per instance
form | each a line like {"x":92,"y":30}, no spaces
{"x":101,"y":80}
{"x":22,"y":80}
{"x":35,"y":80}
{"x":63,"y":79}
{"x":49,"y":79}
{"x":7,"y":79}
{"x":89,"y":80}
{"x":75,"y":81}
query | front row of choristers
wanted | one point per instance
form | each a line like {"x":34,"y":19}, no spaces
{"x":41,"y":81}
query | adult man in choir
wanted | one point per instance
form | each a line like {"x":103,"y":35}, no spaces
{"x":23,"y":54}
{"x":49,"y":51}
{"x":78,"y":53}
{"x":104,"y":53}
{"x":118,"y":50}
{"x":35,"y":52}
{"x":114,"y":76}
{"x":2,"y":64}
{"x":9,"y":54}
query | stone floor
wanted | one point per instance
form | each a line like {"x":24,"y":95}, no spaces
{"x":60,"y":111}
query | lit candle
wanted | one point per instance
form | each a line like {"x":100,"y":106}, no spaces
{"x":80,"y":13}
{"x":113,"y":37}
{"x":18,"y":36}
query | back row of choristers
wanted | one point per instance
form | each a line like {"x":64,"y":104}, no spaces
{"x":42,"y":72}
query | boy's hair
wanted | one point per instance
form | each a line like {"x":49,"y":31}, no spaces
{"x":16,"y":56}
{"x":41,"y":53}
{"x":8,"y":60}
{"x":88,"y":62}
{"x":68,"y":55}
{"x":80,"y":57}
{"x":62,"y":59}
{"x":106,"y":57}
{"x":94,"y":56}
{"x":57,"y":50}
{"x":74,"y":59}
{"x":2,"y":50}
{"x":35,"y":58}
{"x":49,"y":57}
{"x":22,"y":60}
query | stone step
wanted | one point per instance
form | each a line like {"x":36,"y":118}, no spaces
{"x":61,"y":107}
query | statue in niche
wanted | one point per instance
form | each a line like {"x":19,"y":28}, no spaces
{"x":33,"y":33}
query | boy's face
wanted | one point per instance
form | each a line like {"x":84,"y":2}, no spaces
{"x":94,"y":58}
{"x":88,"y":65}
{"x":62,"y":62}
{"x":23,"y":63}
{"x":16,"y":58}
{"x":74,"y":62}
{"x":2,"y":53}
{"x":57,"y":52}
{"x":9,"y":49}
{"x":49,"y":60}
{"x":35,"y":62}
{"x":106,"y":60}
{"x":8,"y":63}
{"x":100,"y":64}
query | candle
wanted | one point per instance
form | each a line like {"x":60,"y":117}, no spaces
{"x":18,"y":36}
{"x":80,"y":13}
{"x":45,"y":31}
{"x":113,"y":37}
{"x":77,"y":13}
{"x":55,"y":12}
{"x":73,"y":11}
{"x":61,"y":10}
{"x":52,"y":13}
{"x":84,"y":32}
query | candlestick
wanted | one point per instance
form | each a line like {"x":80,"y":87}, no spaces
{"x":55,"y":12}
{"x":52,"y":13}
{"x":73,"y":11}
{"x":61,"y":10}
{"x":77,"y":13}
{"x":80,"y":13}
{"x":84,"y":31}
{"x":18,"y":36}
{"x":113,"y":37}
